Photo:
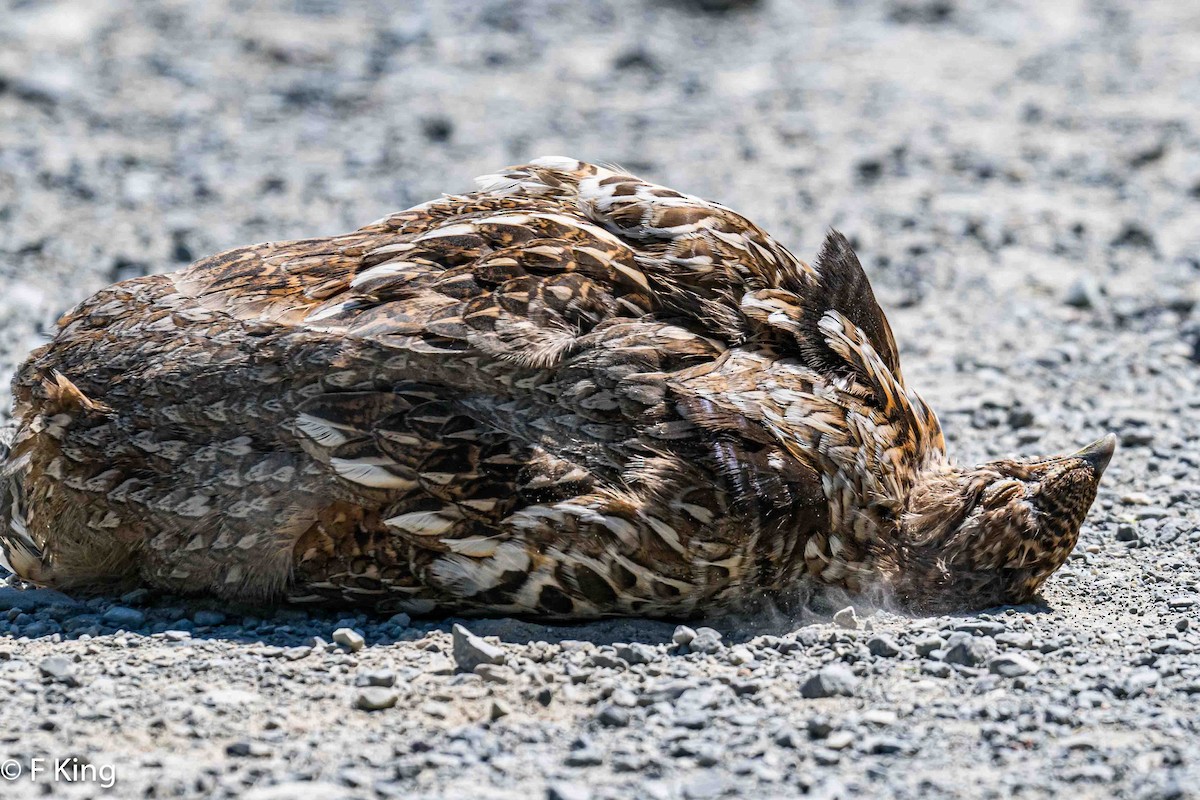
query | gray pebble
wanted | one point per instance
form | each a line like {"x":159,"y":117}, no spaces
{"x":375,"y":698}
{"x":683,"y":635}
{"x":1084,"y":293}
{"x":495,"y":673}
{"x":967,"y":650}
{"x":584,"y":757}
{"x":883,"y":745}
{"x":560,"y":790}
{"x":350,"y":639}
{"x":707,"y":641}
{"x":636,"y":653}
{"x":58,"y":669}
{"x":740,"y":656}
{"x":470,"y":650}
{"x":378,"y":677}
{"x":1011,"y":665}
{"x":846,"y":618}
{"x":245,"y":749}
{"x":207,"y":617}
{"x":832,"y":680}
{"x":612,"y":716}
{"x":123,"y":617}
{"x":1140,"y":681}
{"x":883,"y":646}
{"x":928,"y":644}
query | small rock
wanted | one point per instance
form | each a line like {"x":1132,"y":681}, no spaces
{"x":248,"y":750}
{"x":839,"y":740}
{"x":707,"y":785}
{"x":693,"y":720}
{"x":1017,"y":639}
{"x":58,"y":669}
{"x":437,"y":709}
{"x":470,"y":650}
{"x":123,"y":617}
{"x":846,"y":618}
{"x":927,"y":644}
{"x":1139,"y":681}
{"x":740,"y":656}
{"x":135,"y":597}
{"x":567,"y":791}
{"x":498,"y":709}
{"x":883,"y":745}
{"x":206,"y":617}
{"x":1020,"y":417}
{"x":636,"y":653}
{"x":439,"y":665}
{"x":296,"y":653}
{"x":883,"y":646}
{"x":788,"y":737}
{"x":584,"y":757}
{"x":981,"y":628}
{"x":937,"y":669}
{"x":683,"y":636}
{"x":819,"y":727}
{"x":880,"y":716}
{"x":379,"y":677}
{"x":706,"y":641}
{"x":375,"y":698}
{"x":1137,"y":437}
{"x":826,"y":757}
{"x":605,"y":661}
{"x":612,"y":716}
{"x":1011,"y":665}
{"x":1058,"y":714}
{"x":832,"y":680}
{"x":967,"y":650}
{"x":1084,"y":293}
{"x":349,"y":638}
{"x":494,"y":673}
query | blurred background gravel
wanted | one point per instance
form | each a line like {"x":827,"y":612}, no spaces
{"x":1022,"y":181}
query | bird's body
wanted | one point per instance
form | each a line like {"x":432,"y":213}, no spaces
{"x":570,"y":394}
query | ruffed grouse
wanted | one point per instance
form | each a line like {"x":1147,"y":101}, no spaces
{"x":571,"y":393}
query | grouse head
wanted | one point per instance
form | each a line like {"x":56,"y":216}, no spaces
{"x":992,"y":534}
{"x":900,"y":511}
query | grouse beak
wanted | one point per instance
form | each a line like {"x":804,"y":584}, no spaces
{"x":1099,"y":453}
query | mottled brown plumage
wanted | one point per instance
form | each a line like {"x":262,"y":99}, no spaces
{"x":571,"y":393}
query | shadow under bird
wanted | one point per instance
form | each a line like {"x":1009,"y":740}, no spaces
{"x":571,"y":393}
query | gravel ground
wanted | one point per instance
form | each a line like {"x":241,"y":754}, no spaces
{"x":1023,"y":184}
